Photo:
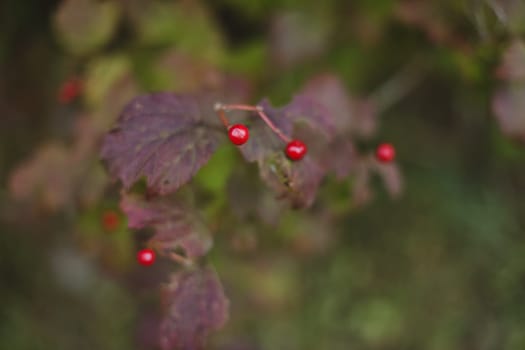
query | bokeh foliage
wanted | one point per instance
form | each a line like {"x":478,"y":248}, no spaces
{"x":440,"y":267}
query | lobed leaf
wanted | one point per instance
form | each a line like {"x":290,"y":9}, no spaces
{"x":330,"y":91}
{"x":296,"y":181}
{"x":365,"y":168}
{"x":196,"y":305}
{"x":249,"y":199}
{"x":348,"y":114}
{"x":391,"y":177}
{"x":175,"y":224}
{"x":305,"y":109}
{"x":340,"y":157}
{"x":162,"y":137}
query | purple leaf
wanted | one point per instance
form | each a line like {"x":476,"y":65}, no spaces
{"x":391,"y":176}
{"x":196,"y":305}
{"x":162,"y":137}
{"x":296,"y":181}
{"x":330,"y":91}
{"x":305,"y":119}
{"x":340,"y":157}
{"x":508,"y":105}
{"x":365,"y":168}
{"x":305,"y":109}
{"x":263,"y":140}
{"x":512,"y":65}
{"x":354,"y":115}
{"x":248,"y":198}
{"x":175,"y":223}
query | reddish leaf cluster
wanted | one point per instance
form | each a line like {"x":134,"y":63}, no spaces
{"x":175,"y":224}
{"x":196,"y":305}
{"x":166,"y":138}
{"x":162,"y":137}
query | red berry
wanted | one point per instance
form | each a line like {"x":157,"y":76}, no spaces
{"x":238,"y":134}
{"x":110,"y":220}
{"x":70,"y":90}
{"x":295,"y":150}
{"x":146,"y":257}
{"x":385,"y":153}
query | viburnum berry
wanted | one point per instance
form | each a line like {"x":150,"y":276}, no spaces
{"x":295,"y":150}
{"x":110,"y":220}
{"x":385,"y":153}
{"x":69,"y":90}
{"x":146,"y":257}
{"x":238,"y":134}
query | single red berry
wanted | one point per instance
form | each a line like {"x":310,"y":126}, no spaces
{"x":110,"y":220}
{"x":146,"y":257}
{"x":295,"y":150}
{"x":238,"y":134}
{"x":69,"y":90}
{"x":385,"y":153}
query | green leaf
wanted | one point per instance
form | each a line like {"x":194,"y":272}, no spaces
{"x":85,"y":26}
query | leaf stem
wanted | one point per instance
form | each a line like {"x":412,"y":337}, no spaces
{"x":223,"y":118}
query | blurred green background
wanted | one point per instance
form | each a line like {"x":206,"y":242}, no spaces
{"x":440,"y":267}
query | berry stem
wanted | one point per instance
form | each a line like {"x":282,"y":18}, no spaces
{"x":223,"y":118}
{"x":221,"y":108}
{"x":272,"y":126}
{"x":236,"y":107}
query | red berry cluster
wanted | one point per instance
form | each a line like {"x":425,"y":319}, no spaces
{"x":239,"y":133}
